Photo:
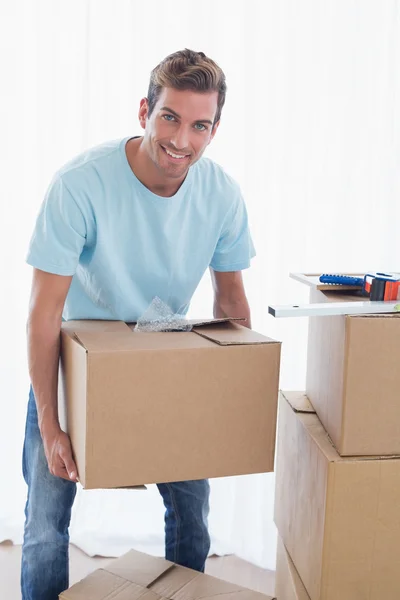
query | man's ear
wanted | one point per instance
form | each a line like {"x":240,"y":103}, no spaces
{"x":143,"y":112}
{"x":214,"y":130}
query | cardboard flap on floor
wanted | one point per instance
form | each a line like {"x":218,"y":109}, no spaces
{"x":147,"y":569}
{"x":102,"y":585}
{"x":205,"y":587}
{"x":136,"y":575}
{"x":168,"y":580}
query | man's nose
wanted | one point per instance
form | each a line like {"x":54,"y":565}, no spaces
{"x":180,"y":138}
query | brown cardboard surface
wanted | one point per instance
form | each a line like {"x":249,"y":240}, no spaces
{"x":72,"y":384}
{"x":353,"y":379}
{"x":337,"y":516}
{"x":232,"y":333}
{"x":288,"y":584}
{"x":298,"y":401}
{"x":136,"y":575}
{"x":156,"y":407}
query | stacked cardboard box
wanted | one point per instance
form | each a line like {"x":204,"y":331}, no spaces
{"x":353,"y":379}
{"x":337,"y":505}
{"x":151,"y":407}
{"x":288,"y":583}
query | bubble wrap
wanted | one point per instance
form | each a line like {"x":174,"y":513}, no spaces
{"x":160,"y":317}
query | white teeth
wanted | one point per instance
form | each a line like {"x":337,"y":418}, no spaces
{"x":174,"y":155}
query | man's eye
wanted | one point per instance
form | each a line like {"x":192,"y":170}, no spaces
{"x":200,"y":127}
{"x":168,"y":117}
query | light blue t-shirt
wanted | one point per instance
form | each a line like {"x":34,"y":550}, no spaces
{"x":124,"y":245}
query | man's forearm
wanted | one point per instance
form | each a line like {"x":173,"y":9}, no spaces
{"x":43,"y":359}
{"x":233,"y":309}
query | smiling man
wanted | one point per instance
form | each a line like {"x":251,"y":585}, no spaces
{"x":121,"y":224}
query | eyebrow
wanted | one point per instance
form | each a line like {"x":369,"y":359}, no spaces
{"x":176,"y":115}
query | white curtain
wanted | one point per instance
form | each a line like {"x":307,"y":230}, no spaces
{"x":311,"y":132}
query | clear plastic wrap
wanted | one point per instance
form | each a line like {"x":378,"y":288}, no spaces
{"x":160,"y":317}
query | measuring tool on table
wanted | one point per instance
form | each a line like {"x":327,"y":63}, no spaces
{"x":333,"y":283}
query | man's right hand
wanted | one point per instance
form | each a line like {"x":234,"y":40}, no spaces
{"x":58,"y":451}
{"x":48,"y":295}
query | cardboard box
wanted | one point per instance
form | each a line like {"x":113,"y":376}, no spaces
{"x":288,"y":584}
{"x":138,"y":575}
{"x":151,"y":407}
{"x":353,"y":379}
{"x":338,"y":517}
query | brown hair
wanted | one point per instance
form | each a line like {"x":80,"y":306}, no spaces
{"x":187,"y":70}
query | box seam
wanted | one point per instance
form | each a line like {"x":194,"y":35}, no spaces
{"x":326,"y":559}
{"x":375,"y":532}
{"x":347,"y":336}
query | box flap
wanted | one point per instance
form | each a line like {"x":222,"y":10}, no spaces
{"x":102,"y":585}
{"x":99,"y":341}
{"x":311,"y":422}
{"x":136,"y":575}
{"x":205,"y":587}
{"x":204,"y":322}
{"x":230,"y":334}
{"x":139,"y":568}
{"x":112,"y":336}
{"x":109,"y":342}
{"x":181,"y":583}
{"x":90,"y":333}
{"x":298,"y":401}
{"x":93,"y":325}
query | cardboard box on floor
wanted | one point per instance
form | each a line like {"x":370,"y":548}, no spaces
{"x":338,"y":517}
{"x":146,"y":407}
{"x":288,"y":585}
{"x":136,"y":575}
{"x":353,"y":378}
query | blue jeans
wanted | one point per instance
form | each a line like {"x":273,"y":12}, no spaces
{"x":44,"y":572}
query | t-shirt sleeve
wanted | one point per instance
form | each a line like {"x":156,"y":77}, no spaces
{"x":235,"y":247}
{"x":59,"y":234}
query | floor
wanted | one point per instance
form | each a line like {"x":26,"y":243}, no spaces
{"x":229,"y":568}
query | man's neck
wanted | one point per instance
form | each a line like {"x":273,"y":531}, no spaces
{"x":146,"y":171}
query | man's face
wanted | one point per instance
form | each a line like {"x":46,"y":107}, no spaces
{"x":179,"y":129}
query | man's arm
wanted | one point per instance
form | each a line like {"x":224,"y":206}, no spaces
{"x":229,"y":296}
{"x":47,"y":300}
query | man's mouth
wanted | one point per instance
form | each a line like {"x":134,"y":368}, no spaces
{"x":175,"y":156}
